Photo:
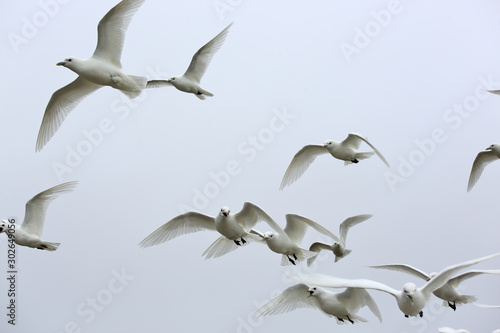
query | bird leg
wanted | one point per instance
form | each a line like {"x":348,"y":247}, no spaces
{"x":406,"y":316}
{"x":352,"y":322}
{"x":452,"y":305}
{"x":243,"y":241}
{"x":290,"y":259}
{"x":421,"y":313}
{"x":354,"y":160}
{"x":340,"y":319}
{"x":295,"y":257}
{"x":237,"y":242}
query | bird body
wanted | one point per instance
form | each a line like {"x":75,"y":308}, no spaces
{"x":482,"y":159}
{"x":343,"y":306}
{"x":29,"y":233}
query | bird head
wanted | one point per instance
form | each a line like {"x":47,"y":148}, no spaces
{"x":172,"y":79}
{"x":312,"y":291}
{"x":268,"y":235}
{"x":68,"y":62}
{"x":225,"y":211}
{"x":3,"y":225}
{"x":328,"y":143}
{"x":409,"y":290}
{"x":493,"y":146}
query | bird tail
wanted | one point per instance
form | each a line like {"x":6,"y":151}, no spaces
{"x":462,"y":299}
{"x":203,"y":94}
{"x":301,"y":254}
{"x":48,"y":246}
{"x":136,"y":85}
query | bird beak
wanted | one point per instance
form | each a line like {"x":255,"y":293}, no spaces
{"x":62,"y":63}
{"x":225,"y":214}
{"x":310,"y":293}
{"x":489,"y":148}
{"x":411,"y":298}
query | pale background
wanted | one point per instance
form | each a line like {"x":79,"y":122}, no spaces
{"x":409,"y":77}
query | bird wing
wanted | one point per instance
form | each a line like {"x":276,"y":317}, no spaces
{"x":292,"y":298}
{"x":36,"y":207}
{"x":183,"y":224}
{"x":353,"y":140}
{"x":296,"y":227}
{"x":455,"y":281}
{"x":158,"y":84}
{"x":111,"y":31}
{"x":250,"y":214}
{"x":442,"y":277}
{"x":482,"y":160}
{"x":317,"y":247}
{"x":62,"y":102}
{"x":300,"y":162}
{"x":355,"y":298}
{"x":405,"y":269}
{"x":203,"y":56}
{"x":349,"y":223}
{"x":335,"y":282}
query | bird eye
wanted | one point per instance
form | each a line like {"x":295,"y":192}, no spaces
{"x":69,"y":59}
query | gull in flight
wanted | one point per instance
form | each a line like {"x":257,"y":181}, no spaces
{"x":345,"y":150}
{"x":286,"y":241}
{"x":103,"y":68}
{"x":190,"y":81}
{"x":343,"y":306}
{"x":411,"y":300}
{"x":29,"y":233}
{"x":236,"y":229}
{"x":338,"y":247}
{"x":482,"y":160}
{"x":448,"y":292}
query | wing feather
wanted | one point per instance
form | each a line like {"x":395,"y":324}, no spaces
{"x":353,"y":139}
{"x":480,"y":162}
{"x":183,"y":224}
{"x":300,"y":162}
{"x":292,"y":298}
{"x":349,"y":223}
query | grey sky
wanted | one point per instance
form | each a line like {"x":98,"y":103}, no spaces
{"x":411,"y":76}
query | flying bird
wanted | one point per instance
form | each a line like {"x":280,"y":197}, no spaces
{"x":29,"y":233}
{"x":236,"y":229}
{"x":411,"y":300}
{"x":448,"y":292}
{"x":343,"y":306}
{"x":190,"y":81}
{"x":482,"y":160}
{"x":287,"y":241}
{"x":345,"y":150}
{"x":103,"y":68}
{"x":338,"y":247}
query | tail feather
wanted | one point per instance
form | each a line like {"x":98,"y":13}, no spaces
{"x":223,"y":245}
{"x":136,"y":84}
{"x":48,"y":246}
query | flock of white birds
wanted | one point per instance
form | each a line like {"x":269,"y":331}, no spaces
{"x":238,"y":229}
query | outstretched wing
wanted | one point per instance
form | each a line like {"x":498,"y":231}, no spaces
{"x":349,"y":223}
{"x":62,"y":102}
{"x":292,"y":298}
{"x":482,"y":160}
{"x":317,"y":247}
{"x":158,"y":84}
{"x":300,"y":162}
{"x":354,"y":140}
{"x":442,"y":277}
{"x":405,"y":269}
{"x":111,"y":31}
{"x":203,"y":56}
{"x":36,"y":207}
{"x":183,"y":224}
{"x":296,"y":227}
{"x":335,"y":282}
{"x":250,"y":214}
{"x":455,"y":282}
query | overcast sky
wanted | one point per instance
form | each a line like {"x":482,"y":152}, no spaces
{"x":409,"y":75}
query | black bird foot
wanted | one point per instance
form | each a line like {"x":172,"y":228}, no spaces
{"x":421,"y":313}
{"x":290,"y":259}
{"x":452,"y":305}
{"x":354,"y":160}
{"x":295,"y":257}
{"x":340,"y":319}
{"x":237,"y":242}
{"x":352,"y":322}
{"x":199,"y":93}
{"x":243,"y":241}
{"x":406,"y":316}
